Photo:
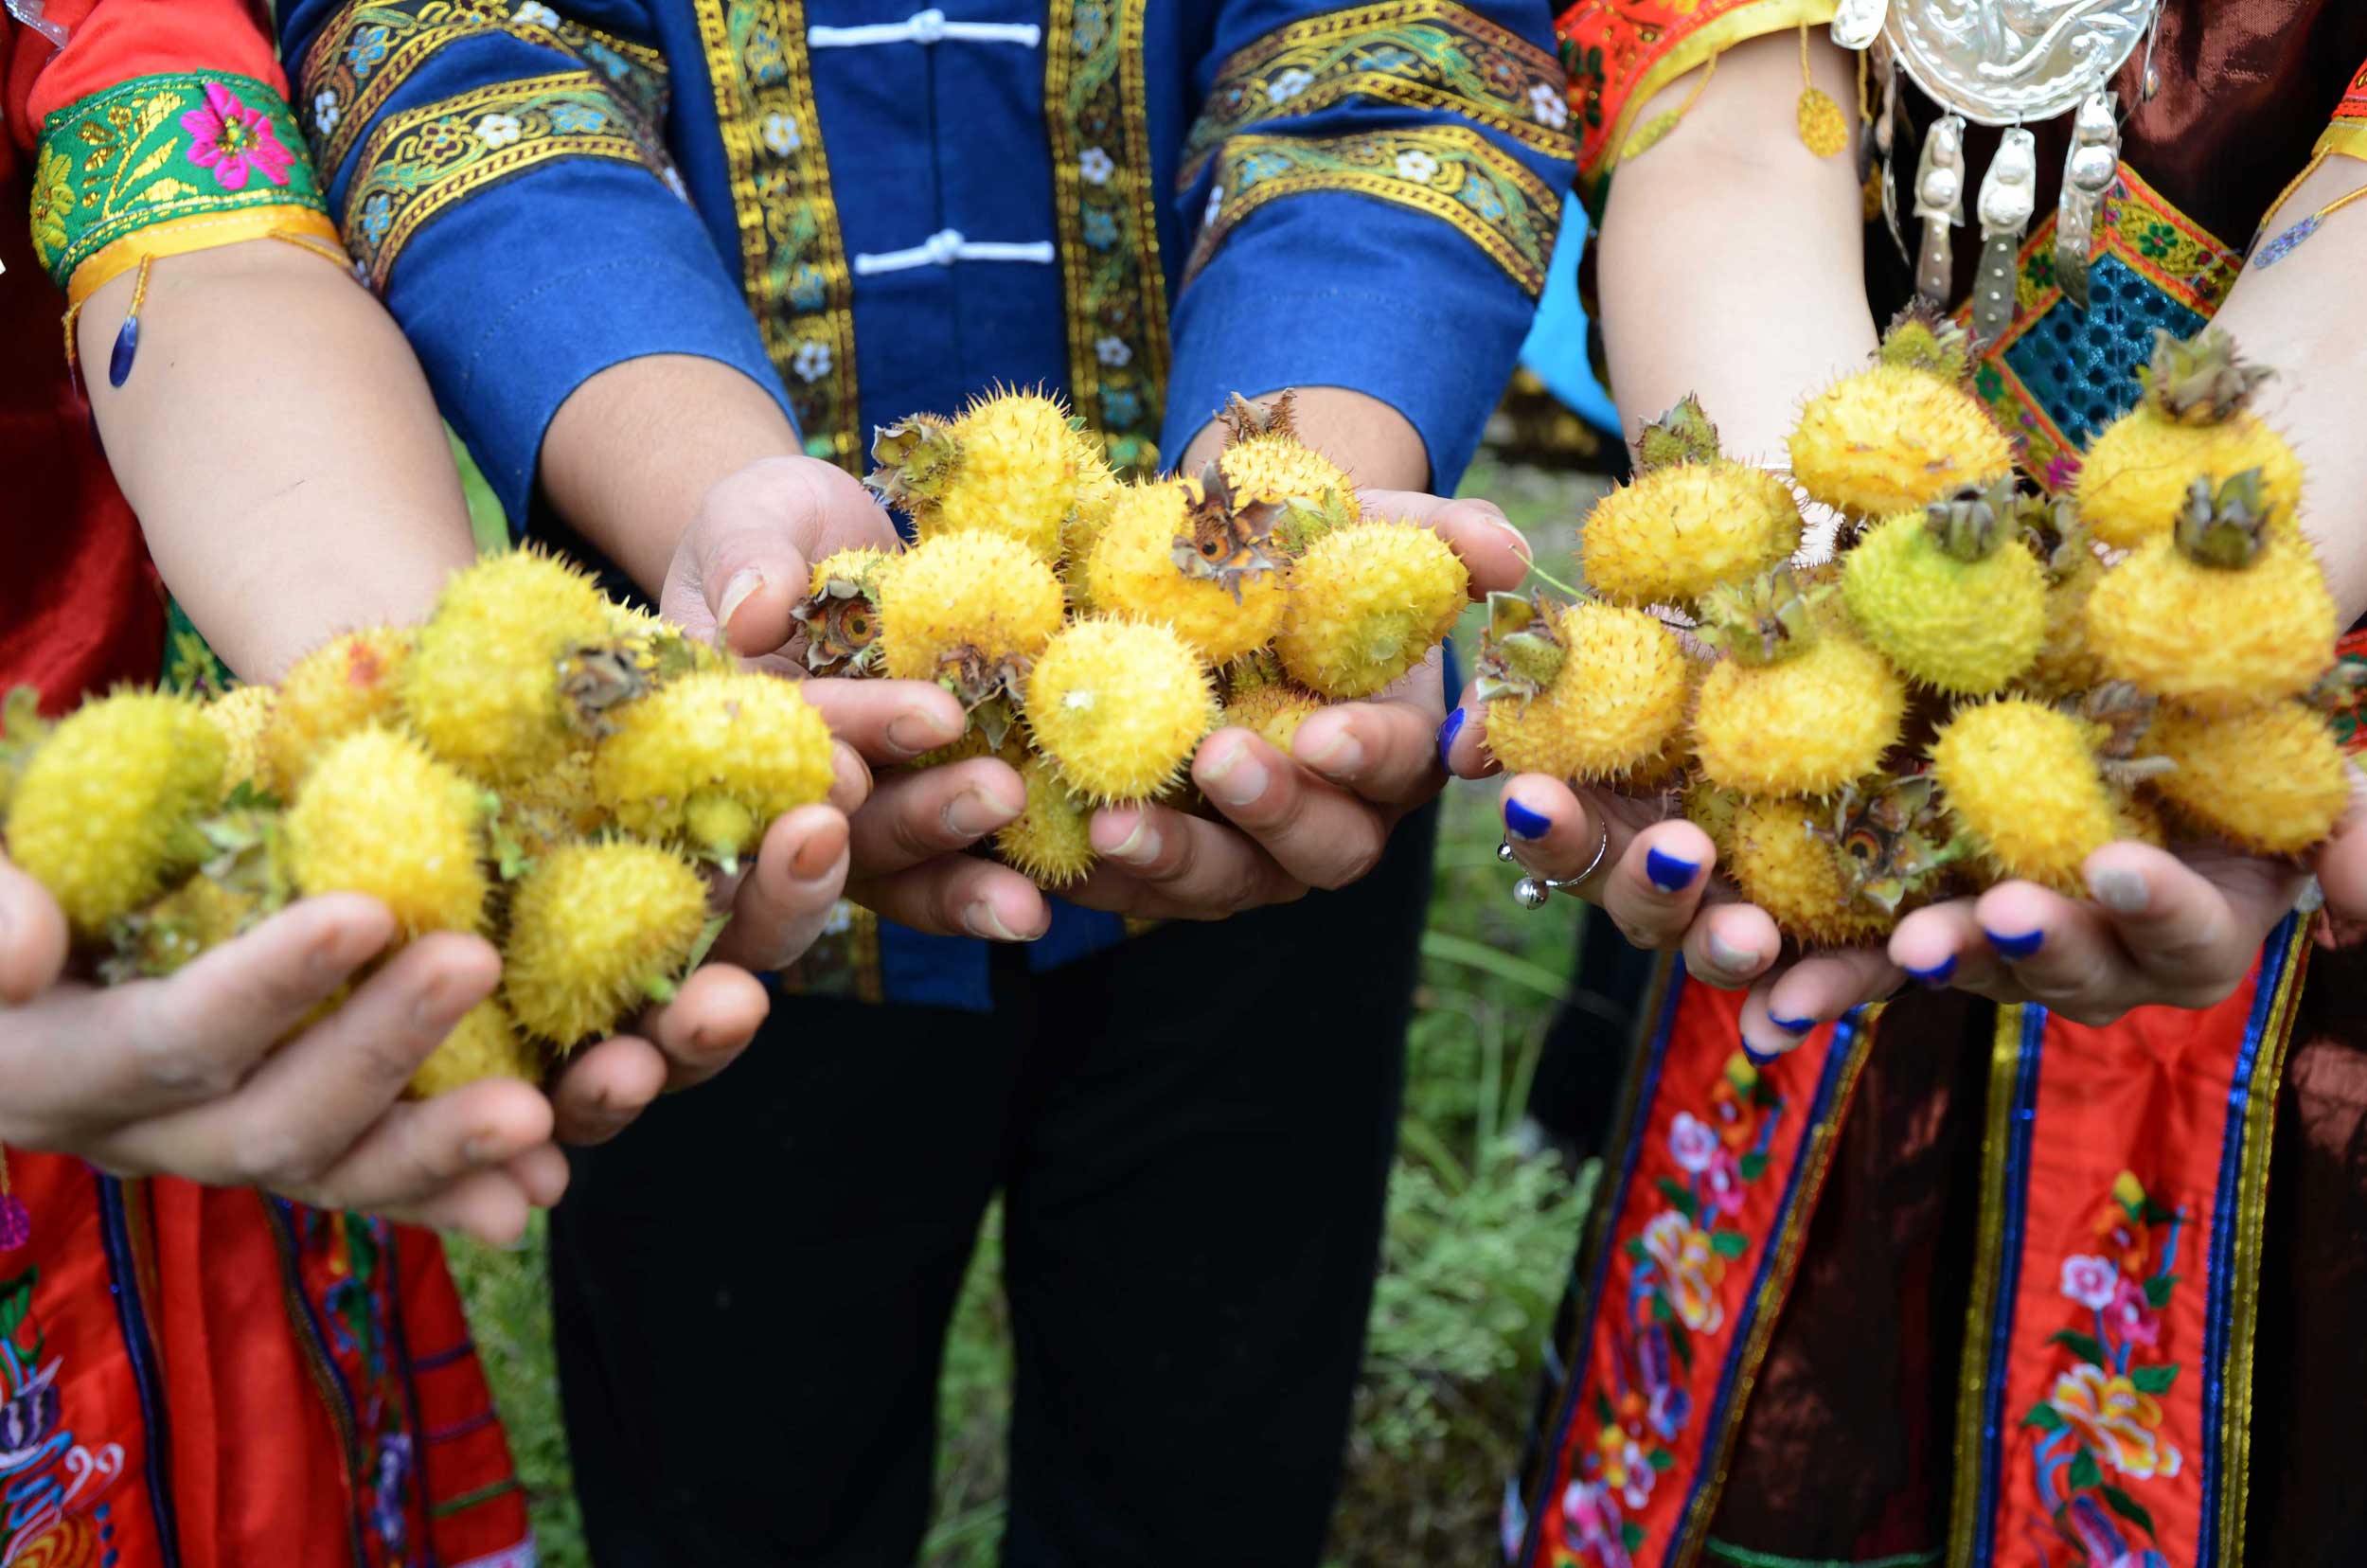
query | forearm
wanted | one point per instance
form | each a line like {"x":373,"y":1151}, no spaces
{"x":1376,"y":444}
{"x":2306,"y":318}
{"x":280,"y":447}
{"x":1731,"y":262}
{"x":633,"y":452}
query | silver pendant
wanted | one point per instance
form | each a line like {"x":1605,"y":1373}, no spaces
{"x":2009,"y":194}
{"x":1858,"y":23}
{"x":2007,"y":62}
{"x":1884,"y":141}
{"x":1940,"y":203}
{"x":2094,"y":157}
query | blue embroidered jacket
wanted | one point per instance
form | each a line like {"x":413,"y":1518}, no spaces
{"x":875,"y":211}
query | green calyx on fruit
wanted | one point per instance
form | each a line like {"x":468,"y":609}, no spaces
{"x":2227,"y":528}
{"x":915,"y":458}
{"x":2119,"y":714}
{"x":1684,"y":435}
{"x":1919,"y":338}
{"x":1758,"y":622}
{"x":988,"y":689}
{"x":1891,"y":840}
{"x":2198,"y":381}
{"x":1226,"y":543}
{"x":842,"y":624}
{"x":1971,"y":524}
{"x":1521,"y":653}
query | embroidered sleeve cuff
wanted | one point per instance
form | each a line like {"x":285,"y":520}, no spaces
{"x":1401,"y":308}
{"x":164,"y":163}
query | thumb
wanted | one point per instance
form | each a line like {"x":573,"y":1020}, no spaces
{"x":1493,"y":551}
{"x":747,"y":558}
{"x":2342,"y":863}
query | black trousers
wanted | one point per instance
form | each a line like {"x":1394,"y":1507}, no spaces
{"x":1192,"y":1134}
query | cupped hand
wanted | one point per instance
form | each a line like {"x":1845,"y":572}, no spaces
{"x":1321,"y":816}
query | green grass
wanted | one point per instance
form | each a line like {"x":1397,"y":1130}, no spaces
{"x":1477,"y":1243}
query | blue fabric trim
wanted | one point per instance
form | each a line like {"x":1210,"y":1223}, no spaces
{"x":155,"y":1420}
{"x":922,"y":970}
{"x":1076,"y":932}
{"x":2016,"y":1198}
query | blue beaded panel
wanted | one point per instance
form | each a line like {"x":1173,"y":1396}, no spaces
{"x":2081,"y":365}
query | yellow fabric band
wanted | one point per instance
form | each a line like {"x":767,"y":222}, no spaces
{"x":203,"y":231}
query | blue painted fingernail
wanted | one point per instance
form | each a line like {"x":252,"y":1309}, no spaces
{"x":2013,"y":949}
{"x":1938,"y":973}
{"x":1669,"y":873}
{"x":1788,"y":1026}
{"x":1755,"y":1056}
{"x":1525,"y":824}
{"x":1446,"y":732}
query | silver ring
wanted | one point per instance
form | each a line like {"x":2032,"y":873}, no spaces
{"x":1531,"y":892}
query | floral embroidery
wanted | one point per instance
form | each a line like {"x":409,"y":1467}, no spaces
{"x":157,"y":149}
{"x":1618,"y":53}
{"x":422,"y":162}
{"x":1424,"y":54}
{"x":793,"y":258}
{"x":1674,"y":1291}
{"x":1451,"y":172}
{"x":2100,"y":1423}
{"x":369,"y":48}
{"x":1105,"y":208}
{"x":56,"y":1487}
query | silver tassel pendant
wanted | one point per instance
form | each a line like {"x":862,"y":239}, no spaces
{"x":1859,"y":22}
{"x":1884,"y":141}
{"x":2087,"y":171}
{"x":2009,"y":193}
{"x":1940,"y":203}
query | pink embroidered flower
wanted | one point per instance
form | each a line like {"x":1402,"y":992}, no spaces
{"x":1692,"y":1142}
{"x":234,"y":141}
{"x":1692,"y":1268}
{"x":1722,"y":1184}
{"x":2091,"y":1281}
{"x":1595,"y":1522}
{"x":2117,"y":1421}
{"x":2133,"y":1316}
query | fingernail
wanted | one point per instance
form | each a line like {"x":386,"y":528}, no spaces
{"x":476,"y":1150}
{"x":1792,"y":1025}
{"x":970,"y":814}
{"x":1235,"y":778}
{"x":1446,"y":732}
{"x":1730,"y":958}
{"x":1669,"y":873}
{"x":743,"y":582}
{"x":981,"y":920}
{"x":2121,"y":890}
{"x":2013,"y":949}
{"x":1140,"y":846}
{"x":1938,"y":973}
{"x":1344,"y":754}
{"x":1755,"y":1056}
{"x":1525,"y":824}
{"x":1520,"y":545}
{"x":915,"y":733}
{"x":440,"y":1006}
{"x":327,"y":957}
{"x":809,"y":863}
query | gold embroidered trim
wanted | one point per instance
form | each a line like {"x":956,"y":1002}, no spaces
{"x":1980,"y":1312}
{"x":423,"y":161}
{"x":1424,"y":54}
{"x":1106,"y":211}
{"x":1740,"y":25}
{"x":370,"y":47}
{"x":1451,"y":172}
{"x":793,"y":260}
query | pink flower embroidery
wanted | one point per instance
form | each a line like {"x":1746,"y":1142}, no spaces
{"x":2133,"y":1315}
{"x":234,"y":141}
{"x":1723,"y":1182}
{"x":1593,"y":1520}
{"x":1691,"y":1266}
{"x":1692,"y":1143}
{"x":2091,"y":1281}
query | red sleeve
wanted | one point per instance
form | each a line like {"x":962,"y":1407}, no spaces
{"x":110,"y":41}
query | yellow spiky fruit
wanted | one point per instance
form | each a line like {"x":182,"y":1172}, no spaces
{"x":2270,"y":781}
{"x":344,"y":685}
{"x":544,"y":813}
{"x":193,"y":919}
{"x":709,"y":760}
{"x":482,"y":1046}
{"x":1271,"y":709}
{"x":1714,"y":811}
{"x":1135,"y":572}
{"x":1805,"y":725}
{"x":1016,"y":475}
{"x":1678,"y":532}
{"x":1368,"y":602}
{"x":2215,"y":639}
{"x":1967,"y":627}
{"x":597,"y":929}
{"x":2138,"y":820}
{"x":243,"y":715}
{"x":1051,"y":840}
{"x":1278,"y":468}
{"x":1894,"y":438}
{"x":378,"y":815}
{"x":2066,"y":664}
{"x":2191,"y":424}
{"x":484,"y":684}
{"x":1118,"y":706}
{"x":104,"y":814}
{"x":977,"y":589}
{"x":1615,"y":710}
{"x":1784,"y":866}
{"x":2022,"y":780}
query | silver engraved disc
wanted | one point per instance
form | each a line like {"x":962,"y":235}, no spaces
{"x":2000,"y":61}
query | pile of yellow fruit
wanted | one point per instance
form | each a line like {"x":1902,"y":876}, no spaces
{"x":1980,"y":684}
{"x":534,"y":764}
{"x":1096,"y":629}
